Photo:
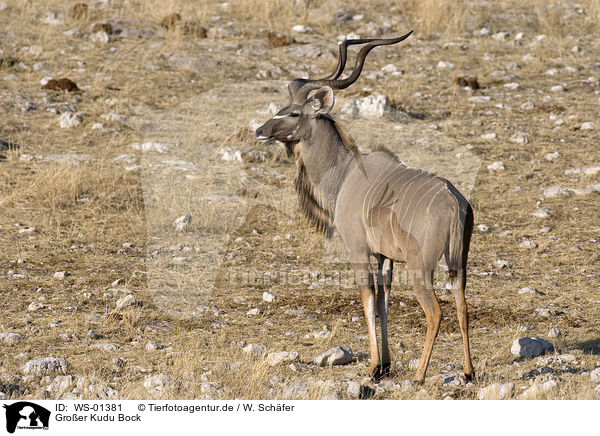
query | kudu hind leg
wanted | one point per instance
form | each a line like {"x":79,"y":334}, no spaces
{"x":423,"y":284}
{"x":458,"y":287}
{"x":384,"y":285}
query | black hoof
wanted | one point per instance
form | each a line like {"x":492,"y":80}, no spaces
{"x":470,"y":377}
{"x":380,"y":372}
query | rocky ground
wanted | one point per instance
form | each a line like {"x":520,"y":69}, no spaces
{"x":151,"y":248}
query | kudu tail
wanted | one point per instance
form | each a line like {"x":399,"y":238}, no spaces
{"x":461,"y":228}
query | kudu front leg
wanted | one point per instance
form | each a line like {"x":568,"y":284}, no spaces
{"x":364,"y":280}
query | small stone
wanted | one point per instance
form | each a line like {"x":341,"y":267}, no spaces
{"x":60,"y":275}
{"x":496,"y":166}
{"x":11,"y":338}
{"x":35,"y":305}
{"x":300,"y":28}
{"x":276,"y":358}
{"x":335,"y":356}
{"x":479,"y":99}
{"x":557,"y":88}
{"x":151,"y":346}
{"x":557,"y":191}
{"x":268,"y":297}
{"x":100,"y":37}
{"x":595,"y":375}
{"x":92,"y":334}
{"x":539,"y":390}
{"x":552,"y":156}
{"x":125,"y":301}
{"x":530,"y":290}
{"x":296,"y":391}
{"x":117,"y":282}
{"x":353,"y":389}
{"x":528,"y":244}
{"x":182,"y":223}
{"x":548,"y":312}
{"x":3,"y":6}
{"x":519,"y":138}
{"x":496,"y":391}
{"x":254,"y":311}
{"x":554,"y":332}
{"x":512,"y":85}
{"x":542,"y":213}
{"x":106,"y":347}
{"x":158,"y":383}
{"x":372,"y":106}
{"x":530,"y":347}
{"x":491,"y":135}
{"x":45,"y":365}
{"x":445,"y":64}
{"x":254,"y":350}
{"x":501,"y":263}
{"x":588,"y":125}
{"x":69,"y":120}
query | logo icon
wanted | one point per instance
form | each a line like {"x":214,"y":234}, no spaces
{"x":26,"y":415}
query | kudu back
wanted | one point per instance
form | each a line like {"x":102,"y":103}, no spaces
{"x":379,"y":206}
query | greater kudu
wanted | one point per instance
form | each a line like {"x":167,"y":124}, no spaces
{"x":379,"y":206}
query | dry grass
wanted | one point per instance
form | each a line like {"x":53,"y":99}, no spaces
{"x":84,"y":213}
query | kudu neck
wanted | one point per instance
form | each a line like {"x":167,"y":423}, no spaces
{"x":326,"y":158}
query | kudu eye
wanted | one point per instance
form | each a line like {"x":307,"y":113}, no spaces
{"x":294,"y":114}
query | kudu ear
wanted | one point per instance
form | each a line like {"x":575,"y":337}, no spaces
{"x":323,"y":100}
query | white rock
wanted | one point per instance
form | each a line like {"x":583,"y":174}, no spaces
{"x":539,"y":389}
{"x":557,"y":88}
{"x":60,"y":275}
{"x":496,"y":391}
{"x":527,"y":244}
{"x":158,"y":383}
{"x":529,"y":290}
{"x":588,"y":125}
{"x":554,"y":332}
{"x":182,"y":223}
{"x":557,"y":191}
{"x":69,"y":119}
{"x":105,"y":346}
{"x":479,"y":99}
{"x":151,"y":346}
{"x":10,"y":337}
{"x":125,"y":301}
{"x":254,"y":350}
{"x":519,"y":138}
{"x":527,"y":106}
{"x":500,"y":36}
{"x":35,"y":305}
{"x":45,"y":365}
{"x":512,"y":85}
{"x":268,"y":297}
{"x":489,"y":136}
{"x":97,"y":126}
{"x":372,"y":106}
{"x":3,"y":6}
{"x":530,"y":347}
{"x":276,"y":358}
{"x":254,"y":311}
{"x":353,"y":390}
{"x":592,"y":171}
{"x":501,"y":263}
{"x":60,"y":385}
{"x":324,"y":333}
{"x":100,"y":37}
{"x":542,"y":213}
{"x":390,"y":68}
{"x":552,"y":156}
{"x":335,"y":356}
{"x":445,"y":64}
{"x":496,"y":166}
{"x":296,"y":391}
{"x":595,"y":375}
{"x":300,"y":28}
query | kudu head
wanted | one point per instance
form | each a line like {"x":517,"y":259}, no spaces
{"x":311,"y":99}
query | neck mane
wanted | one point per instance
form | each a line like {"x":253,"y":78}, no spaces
{"x":334,"y":147}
